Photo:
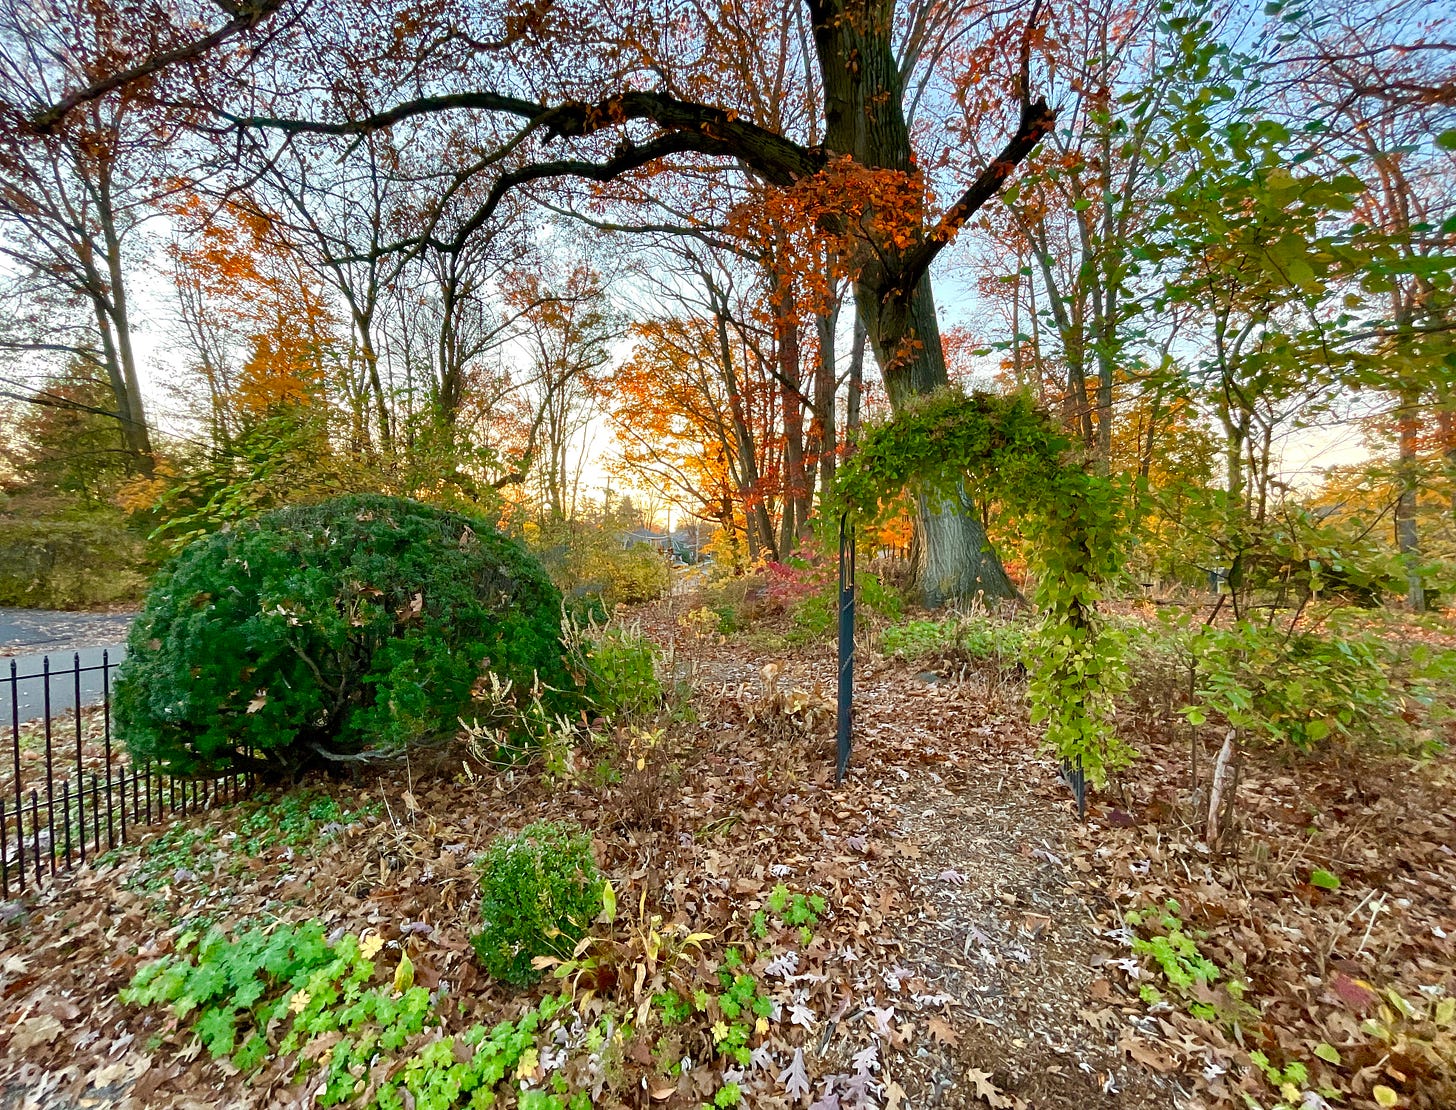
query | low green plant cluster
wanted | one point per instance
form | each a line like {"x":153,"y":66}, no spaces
{"x":540,"y":891}
{"x":290,"y":992}
{"x":361,"y":623}
{"x":464,"y":1070}
{"x":1159,"y":935}
{"x":289,"y":819}
{"x":274,"y":993}
{"x":737,"y":1012}
{"x":789,"y":910}
{"x":980,"y":638}
{"x":293,"y":818}
{"x":815,"y":616}
{"x":177,"y":849}
{"x":1162,"y":938}
{"x":620,"y":673}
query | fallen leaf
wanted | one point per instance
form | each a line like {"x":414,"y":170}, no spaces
{"x":942,"y":1032}
{"x":985,"y":1089}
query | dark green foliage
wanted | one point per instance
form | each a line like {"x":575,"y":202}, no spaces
{"x":540,"y":892}
{"x":359,"y":623}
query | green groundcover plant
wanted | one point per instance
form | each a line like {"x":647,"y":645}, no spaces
{"x":361,"y":623}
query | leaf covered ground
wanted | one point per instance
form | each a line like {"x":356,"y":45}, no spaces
{"x":975,"y":946}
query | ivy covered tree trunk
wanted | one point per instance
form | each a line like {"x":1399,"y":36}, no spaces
{"x":955,"y":559}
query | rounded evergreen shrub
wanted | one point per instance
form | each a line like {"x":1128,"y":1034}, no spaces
{"x":540,"y":891}
{"x":359,"y":623}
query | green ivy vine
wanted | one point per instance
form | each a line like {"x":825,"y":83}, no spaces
{"x":1002,"y":448}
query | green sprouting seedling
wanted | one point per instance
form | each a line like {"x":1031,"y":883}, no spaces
{"x":1176,"y":954}
{"x":792,"y":910}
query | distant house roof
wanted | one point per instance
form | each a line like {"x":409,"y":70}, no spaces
{"x":684,"y":543}
{"x":647,"y":536}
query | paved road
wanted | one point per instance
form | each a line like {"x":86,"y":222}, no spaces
{"x":28,"y":636}
{"x":35,"y":631}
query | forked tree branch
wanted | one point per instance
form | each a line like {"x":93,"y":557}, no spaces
{"x":1036,"y":120}
{"x":246,"y":15}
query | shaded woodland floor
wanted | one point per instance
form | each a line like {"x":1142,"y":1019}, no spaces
{"x":975,"y":949}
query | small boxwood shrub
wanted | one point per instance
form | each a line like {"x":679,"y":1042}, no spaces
{"x":540,"y":890}
{"x":360,"y":623}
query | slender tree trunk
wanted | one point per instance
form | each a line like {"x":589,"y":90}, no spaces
{"x":117,"y":339}
{"x":855,"y":398}
{"x":759,"y":526}
{"x":1407,"y":533}
{"x":1446,"y":417}
{"x":791,"y":400}
{"x":824,"y":433}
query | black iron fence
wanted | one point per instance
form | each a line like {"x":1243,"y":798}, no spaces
{"x":72,"y":793}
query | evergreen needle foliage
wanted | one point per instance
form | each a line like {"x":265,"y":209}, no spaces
{"x":360,"y":623}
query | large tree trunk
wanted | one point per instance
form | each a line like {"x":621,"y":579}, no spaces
{"x":865,"y":117}
{"x":956,"y":560}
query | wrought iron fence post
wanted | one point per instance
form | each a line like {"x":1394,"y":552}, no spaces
{"x":80,"y":756}
{"x":106,"y":747}
{"x":45,"y":671}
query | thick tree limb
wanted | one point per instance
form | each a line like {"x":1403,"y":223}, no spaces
{"x":697,"y":127}
{"x":1036,"y":120}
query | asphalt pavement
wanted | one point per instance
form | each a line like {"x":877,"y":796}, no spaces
{"x":29,"y":636}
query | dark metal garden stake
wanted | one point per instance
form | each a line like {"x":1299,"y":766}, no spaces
{"x":845,"y":704}
{"x":1073,"y":776}
{"x":80,"y":757}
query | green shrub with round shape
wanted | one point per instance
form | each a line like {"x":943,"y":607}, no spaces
{"x":360,"y":623}
{"x":540,"y":891}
